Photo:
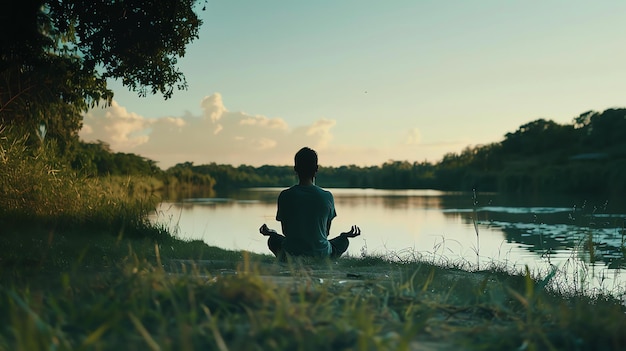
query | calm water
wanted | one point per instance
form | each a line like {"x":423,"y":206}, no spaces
{"x":453,"y":227}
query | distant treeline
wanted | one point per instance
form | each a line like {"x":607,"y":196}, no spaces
{"x":586,"y":156}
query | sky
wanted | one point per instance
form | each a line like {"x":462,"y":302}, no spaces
{"x":366,"y":82}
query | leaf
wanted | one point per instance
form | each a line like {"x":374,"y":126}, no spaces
{"x":542,"y":284}
{"x":146,"y":335}
{"x":95,"y":335}
{"x":530,"y":284}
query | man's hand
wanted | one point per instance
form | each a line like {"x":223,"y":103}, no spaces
{"x":265,"y":230}
{"x":354,"y":231}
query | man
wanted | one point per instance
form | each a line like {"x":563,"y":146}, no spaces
{"x":306,"y":212}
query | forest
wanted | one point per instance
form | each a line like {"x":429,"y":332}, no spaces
{"x":55,"y":64}
{"x":584,"y":157}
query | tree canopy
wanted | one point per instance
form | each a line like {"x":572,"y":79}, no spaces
{"x":587,"y":156}
{"x":56,"y":56}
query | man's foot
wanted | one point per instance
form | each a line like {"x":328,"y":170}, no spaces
{"x":265,"y":230}
{"x":354,"y":231}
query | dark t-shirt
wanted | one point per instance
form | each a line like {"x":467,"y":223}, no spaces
{"x":305,"y":212}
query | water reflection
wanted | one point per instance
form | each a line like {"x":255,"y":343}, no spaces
{"x":469,"y":227}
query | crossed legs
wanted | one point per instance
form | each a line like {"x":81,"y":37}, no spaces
{"x":339,"y":245}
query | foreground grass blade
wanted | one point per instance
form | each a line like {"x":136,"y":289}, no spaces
{"x":146,"y":335}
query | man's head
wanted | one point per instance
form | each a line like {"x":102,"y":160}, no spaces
{"x":306,"y":163}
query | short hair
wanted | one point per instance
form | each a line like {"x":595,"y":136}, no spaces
{"x":306,"y":162}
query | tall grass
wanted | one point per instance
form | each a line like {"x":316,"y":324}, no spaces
{"x":36,"y":184}
{"x":475,"y":223}
{"x":50,"y":215}
{"x":158,"y":304}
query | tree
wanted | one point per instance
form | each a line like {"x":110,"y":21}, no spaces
{"x":604,"y":130}
{"x":539,"y":136}
{"x":56,"y":56}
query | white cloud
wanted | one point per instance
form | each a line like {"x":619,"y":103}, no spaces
{"x":226,"y":137}
{"x":262,"y":121}
{"x":320,"y":130}
{"x":86,"y":131}
{"x":218,"y":135}
{"x":116,"y":126}
{"x":413,"y":137}
{"x":265,"y":144}
{"x":218,"y":128}
{"x":213,"y":107}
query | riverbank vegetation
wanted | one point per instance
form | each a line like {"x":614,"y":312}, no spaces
{"x":82,"y":268}
{"x":586,"y":157}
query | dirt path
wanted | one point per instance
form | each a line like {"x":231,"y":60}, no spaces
{"x":445,"y":323}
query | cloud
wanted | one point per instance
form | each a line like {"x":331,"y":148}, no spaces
{"x":228,"y":137}
{"x":213,"y":107}
{"x":320,"y":130}
{"x":413,"y":137}
{"x":218,"y":135}
{"x":116,"y":126}
{"x":263,"y":121}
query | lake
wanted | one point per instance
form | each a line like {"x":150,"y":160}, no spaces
{"x":583,"y":238}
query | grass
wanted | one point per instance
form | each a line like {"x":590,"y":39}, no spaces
{"x":81,"y":269}
{"x":150,"y":299}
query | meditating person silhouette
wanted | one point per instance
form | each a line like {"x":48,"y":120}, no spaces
{"x":305,"y":212}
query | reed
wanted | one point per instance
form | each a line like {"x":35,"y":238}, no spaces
{"x":36,"y":184}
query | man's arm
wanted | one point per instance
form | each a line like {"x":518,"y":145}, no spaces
{"x":282,"y":226}
{"x":328,"y":227}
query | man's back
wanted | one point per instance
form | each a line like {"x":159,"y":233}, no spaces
{"x":306,"y":212}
